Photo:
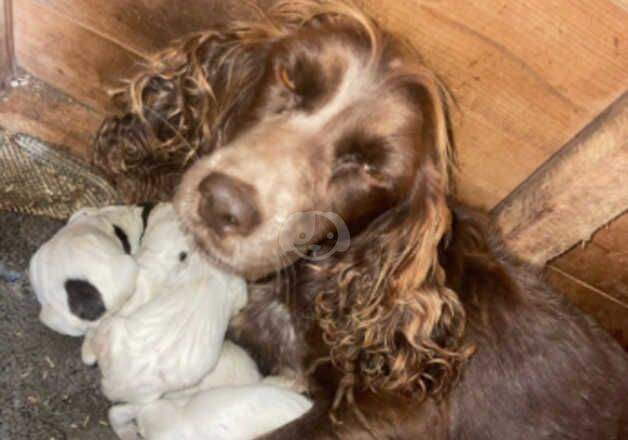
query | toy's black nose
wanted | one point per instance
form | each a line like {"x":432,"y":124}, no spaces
{"x":228,"y":205}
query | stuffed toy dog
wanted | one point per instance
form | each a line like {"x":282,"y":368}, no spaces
{"x":169,"y":335}
{"x":86,"y":271}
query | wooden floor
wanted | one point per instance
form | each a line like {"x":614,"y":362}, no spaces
{"x":526,"y":76}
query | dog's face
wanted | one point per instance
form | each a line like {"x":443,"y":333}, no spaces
{"x":333,"y":138}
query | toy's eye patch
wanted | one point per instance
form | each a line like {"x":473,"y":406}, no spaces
{"x":84,"y":300}
{"x":146,"y":210}
{"x":124,"y":239}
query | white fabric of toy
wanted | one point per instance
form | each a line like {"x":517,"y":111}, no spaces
{"x":231,"y":403}
{"x":155,"y":313}
{"x":169,"y":334}
{"x":86,"y":271}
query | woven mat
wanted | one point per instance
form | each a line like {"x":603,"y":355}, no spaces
{"x":38,"y":179}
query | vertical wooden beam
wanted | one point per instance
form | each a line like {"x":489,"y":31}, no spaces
{"x":7,"y":52}
{"x":579,"y":189}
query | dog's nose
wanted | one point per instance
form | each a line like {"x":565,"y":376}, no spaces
{"x":228,"y":205}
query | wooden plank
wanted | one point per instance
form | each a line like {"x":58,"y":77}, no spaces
{"x":602,"y":262}
{"x":527,"y":75}
{"x":144,"y":27}
{"x":573,"y":194}
{"x":595,"y":277}
{"x":79,"y":62}
{"x":7,"y":55}
{"x":608,"y":313}
{"x":39,"y":110}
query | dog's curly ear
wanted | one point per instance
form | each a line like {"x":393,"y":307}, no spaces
{"x":395,"y":325}
{"x":181,"y":106}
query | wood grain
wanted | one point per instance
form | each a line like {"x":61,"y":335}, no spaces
{"x":39,"y":110}
{"x":527,"y":75}
{"x":611,"y":316}
{"x":147,"y":25}
{"x":580,"y":189}
{"x":61,"y":52}
{"x":595,"y":277}
{"x":7,"y":55}
{"x":602,"y":262}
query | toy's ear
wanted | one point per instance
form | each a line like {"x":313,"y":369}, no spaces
{"x":58,"y":322}
{"x":84,"y":300}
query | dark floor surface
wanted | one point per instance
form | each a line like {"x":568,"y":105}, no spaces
{"x":45,"y":391}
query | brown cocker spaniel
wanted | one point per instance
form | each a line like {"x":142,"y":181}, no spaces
{"x":310,"y":151}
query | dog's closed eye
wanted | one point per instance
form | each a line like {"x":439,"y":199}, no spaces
{"x":360,"y":154}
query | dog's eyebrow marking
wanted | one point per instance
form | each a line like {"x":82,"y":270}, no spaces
{"x":146,"y":209}
{"x":124,"y":239}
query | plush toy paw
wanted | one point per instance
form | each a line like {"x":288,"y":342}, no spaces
{"x":292,"y":381}
{"x":122,"y":421}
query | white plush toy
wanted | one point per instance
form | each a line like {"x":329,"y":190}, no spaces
{"x":231,"y":403}
{"x":85,"y":271}
{"x":237,"y":412}
{"x":155,"y":324}
{"x":169,"y":335}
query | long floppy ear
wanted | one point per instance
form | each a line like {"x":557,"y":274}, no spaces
{"x":394,"y":325}
{"x":179,"y":107}
{"x":429,"y":317}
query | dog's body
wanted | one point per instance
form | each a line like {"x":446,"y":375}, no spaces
{"x":423,"y":327}
{"x":541,"y":369}
{"x":86,"y":270}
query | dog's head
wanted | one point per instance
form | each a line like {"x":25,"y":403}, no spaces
{"x":339,"y":142}
{"x":341,"y":127}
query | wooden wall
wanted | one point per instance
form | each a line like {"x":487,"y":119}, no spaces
{"x":7,"y":52}
{"x":594,"y":276}
{"x":527,"y":76}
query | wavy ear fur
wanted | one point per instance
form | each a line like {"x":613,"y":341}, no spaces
{"x":178,"y":108}
{"x":393,"y":325}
